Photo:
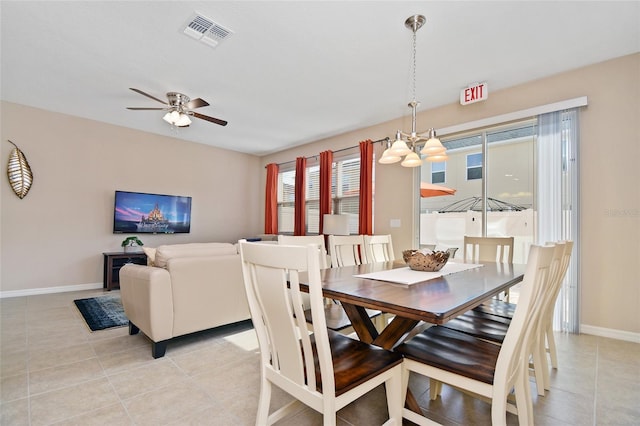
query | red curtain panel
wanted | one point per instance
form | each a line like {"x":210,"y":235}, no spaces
{"x":271,"y":200}
{"x":326,"y":163}
{"x":300,"y":197}
{"x":365,"y":225}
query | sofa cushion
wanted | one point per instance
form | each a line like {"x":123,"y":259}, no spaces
{"x":151,"y":255}
{"x":165,"y":252}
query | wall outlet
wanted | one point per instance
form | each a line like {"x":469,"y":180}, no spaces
{"x":395,"y":223}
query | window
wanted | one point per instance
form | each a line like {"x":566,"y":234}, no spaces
{"x":345,"y":189}
{"x":438,"y":172}
{"x":312,"y":206}
{"x":345,"y":193}
{"x":286,"y":198}
{"x":474,"y":166}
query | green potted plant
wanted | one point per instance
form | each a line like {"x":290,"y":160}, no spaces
{"x":131,"y":244}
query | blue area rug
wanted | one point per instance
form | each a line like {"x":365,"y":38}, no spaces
{"x":102,"y":312}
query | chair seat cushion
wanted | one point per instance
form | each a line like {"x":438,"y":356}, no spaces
{"x":453,"y":351}
{"x":355,"y":362}
{"x":481,"y":325}
{"x":497,"y":307}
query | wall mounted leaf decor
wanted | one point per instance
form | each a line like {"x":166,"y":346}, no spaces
{"x":19,"y":172}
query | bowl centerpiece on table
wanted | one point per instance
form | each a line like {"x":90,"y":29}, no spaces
{"x":425,"y":260}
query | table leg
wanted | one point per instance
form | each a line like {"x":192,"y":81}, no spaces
{"x":361,"y":323}
{"x":387,"y":339}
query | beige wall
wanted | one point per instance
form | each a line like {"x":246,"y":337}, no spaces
{"x":609,"y":177}
{"x":55,"y":236}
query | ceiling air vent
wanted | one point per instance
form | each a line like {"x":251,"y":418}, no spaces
{"x":201,"y":28}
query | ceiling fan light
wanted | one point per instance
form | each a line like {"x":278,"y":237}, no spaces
{"x":167,"y":118}
{"x":182,"y":121}
{"x":411,"y":160}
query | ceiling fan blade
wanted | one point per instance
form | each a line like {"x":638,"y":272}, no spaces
{"x":146,"y":109}
{"x":197,"y":103}
{"x":148,"y":95}
{"x":211,"y":119}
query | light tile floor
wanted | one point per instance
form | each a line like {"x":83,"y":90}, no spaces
{"x":55,"y":371}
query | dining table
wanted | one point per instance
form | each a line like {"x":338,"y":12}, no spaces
{"x":412,"y":296}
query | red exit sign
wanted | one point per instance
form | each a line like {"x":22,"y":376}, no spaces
{"x":474,"y":93}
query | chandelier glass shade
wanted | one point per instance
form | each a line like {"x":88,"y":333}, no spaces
{"x":411,"y":160}
{"x":389,"y":157}
{"x":405,"y":143}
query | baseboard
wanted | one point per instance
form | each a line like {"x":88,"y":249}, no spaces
{"x":610,"y":333}
{"x":48,"y":290}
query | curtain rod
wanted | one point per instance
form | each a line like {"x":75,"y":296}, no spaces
{"x":338,"y":150}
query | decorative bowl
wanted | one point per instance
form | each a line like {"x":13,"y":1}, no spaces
{"x":427,"y":261}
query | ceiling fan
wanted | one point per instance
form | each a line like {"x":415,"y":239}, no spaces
{"x":178,"y":107}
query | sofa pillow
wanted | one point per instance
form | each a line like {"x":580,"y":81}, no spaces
{"x":151,"y":255}
{"x":166,"y":252}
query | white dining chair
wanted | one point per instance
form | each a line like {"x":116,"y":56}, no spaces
{"x":322,"y":369}
{"x":487,"y":325}
{"x":547,"y":343}
{"x":347,"y":250}
{"x":379,"y":248}
{"x":303,"y":240}
{"x":351,"y":250}
{"x":501,"y":309}
{"x":488,"y":249}
{"x":336,"y":317}
{"x":480,"y":367}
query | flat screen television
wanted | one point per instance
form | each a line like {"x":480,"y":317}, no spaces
{"x":142,"y":213}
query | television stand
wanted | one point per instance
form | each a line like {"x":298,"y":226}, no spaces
{"x":113,"y":261}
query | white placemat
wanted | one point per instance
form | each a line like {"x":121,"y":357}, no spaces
{"x":409,"y":276}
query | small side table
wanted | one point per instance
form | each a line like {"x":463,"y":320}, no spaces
{"x":113,"y":261}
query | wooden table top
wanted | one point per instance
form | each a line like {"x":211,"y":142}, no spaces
{"x":436,"y":301}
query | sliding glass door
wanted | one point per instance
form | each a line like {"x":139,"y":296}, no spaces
{"x":518,"y":180}
{"x":492,"y":172}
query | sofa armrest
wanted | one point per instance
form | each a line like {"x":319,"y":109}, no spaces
{"x":147,"y":300}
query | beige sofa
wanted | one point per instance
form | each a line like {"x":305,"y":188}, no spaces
{"x":184,"y":289}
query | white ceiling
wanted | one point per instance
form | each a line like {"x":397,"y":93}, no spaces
{"x":292,"y":72}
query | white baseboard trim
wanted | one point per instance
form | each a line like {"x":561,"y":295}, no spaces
{"x":610,"y":333}
{"x":48,"y":290}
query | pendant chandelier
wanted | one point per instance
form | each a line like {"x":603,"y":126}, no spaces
{"x":405,"y":144}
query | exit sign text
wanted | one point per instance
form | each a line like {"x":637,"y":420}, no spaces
{"x":474,"y":93}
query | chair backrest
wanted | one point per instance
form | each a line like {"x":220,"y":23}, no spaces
{"x":563,"y":255}
{"x":517,"y":345}
{"x":488,"y":249}
{"x":379,"y":248}
{"x":271,"y":278}
{"x":304,"y":240}
{"x":347,"y":250}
